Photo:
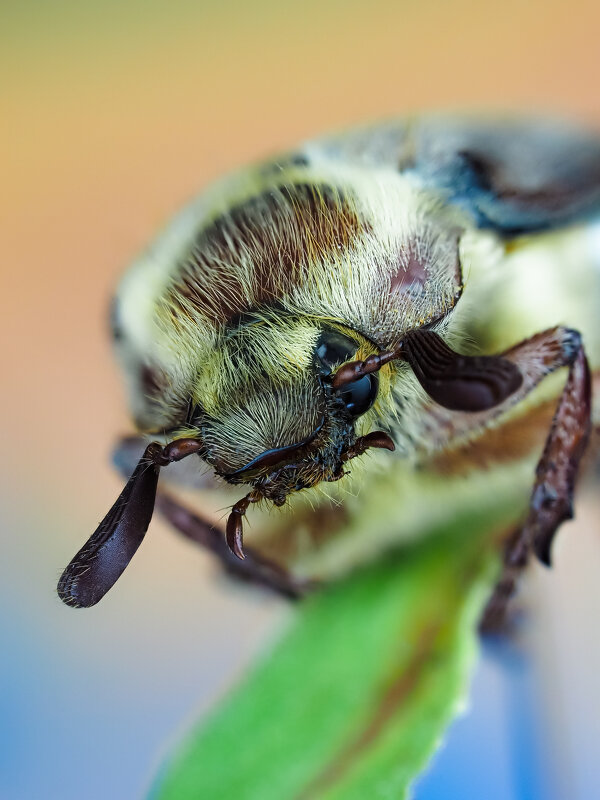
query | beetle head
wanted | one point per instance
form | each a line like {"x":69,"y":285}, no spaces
{"x":277,"y":423}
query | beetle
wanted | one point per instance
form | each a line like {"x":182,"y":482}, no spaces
{"x":307,"y":309}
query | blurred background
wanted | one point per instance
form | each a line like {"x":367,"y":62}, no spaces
{"x":114,"y":114}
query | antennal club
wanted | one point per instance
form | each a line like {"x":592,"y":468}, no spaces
{"x":103,"y":558}
{"x":455,"y":381}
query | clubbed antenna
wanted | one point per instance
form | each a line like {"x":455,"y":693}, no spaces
{"x":455,"y":381}
{"x":106,"y":554}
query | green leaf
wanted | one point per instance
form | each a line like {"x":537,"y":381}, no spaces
{"x":354,"y":698}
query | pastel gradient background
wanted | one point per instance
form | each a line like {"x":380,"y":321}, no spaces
{"x":113,"y":114}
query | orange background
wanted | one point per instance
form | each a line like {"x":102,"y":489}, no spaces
{"x":112,"y":116}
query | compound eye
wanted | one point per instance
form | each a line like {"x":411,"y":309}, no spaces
{"x":332,"y":349}
{"x":359,"y":396}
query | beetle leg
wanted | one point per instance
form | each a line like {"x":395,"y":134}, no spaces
{"x":556,"y":472}
{"x":552,"y":497}
{"x":254,"y":568}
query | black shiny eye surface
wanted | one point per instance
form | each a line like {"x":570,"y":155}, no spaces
{"x":333,"y":348}
{"x":359,"y":396}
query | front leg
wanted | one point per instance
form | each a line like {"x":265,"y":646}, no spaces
{"x":552,"y":497}
{"x":556,"y":473}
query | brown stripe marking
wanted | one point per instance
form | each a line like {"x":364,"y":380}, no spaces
{"x":389,"y":705}
{"x":393,"y":697}
{"x":280,"y":232}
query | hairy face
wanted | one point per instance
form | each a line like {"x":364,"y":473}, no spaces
{"x":273,"y":403}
